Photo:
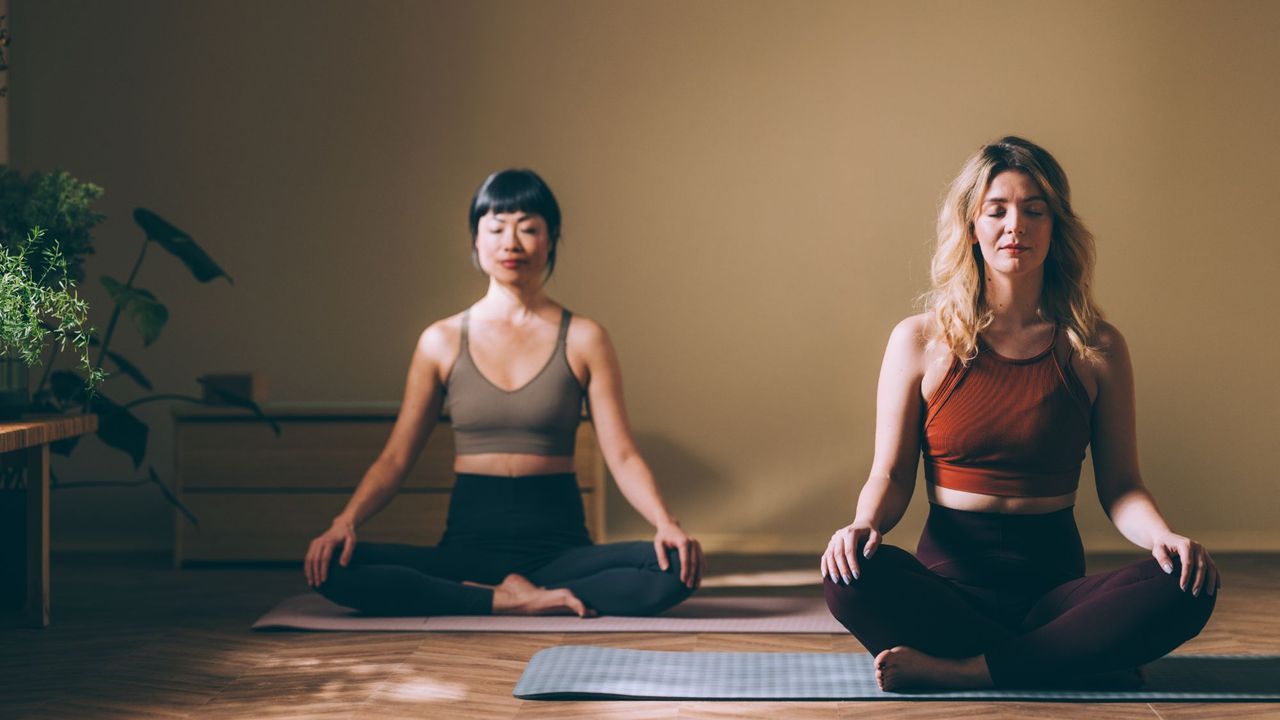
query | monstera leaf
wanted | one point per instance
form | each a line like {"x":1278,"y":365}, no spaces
{"x":238,"y":400}
{"x":67,"y":386}
{"x":117,"y":427}
{"x":147,"y":313}
{"x":129,"y":369}
{"x":179,"y":244}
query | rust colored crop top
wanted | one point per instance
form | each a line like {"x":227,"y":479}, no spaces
{"x":1013,"y":428}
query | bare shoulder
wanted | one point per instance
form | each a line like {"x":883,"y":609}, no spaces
{"x":441,"y":340}
{"x":1109,"y":337}
{"x":912,"y":331}
{"x":909,"y":344}
{"x":1113,"y":357}
{"x":586,"y":335}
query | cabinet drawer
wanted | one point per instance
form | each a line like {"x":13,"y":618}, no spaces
{"x":310,"y":455}
{"x":307,"y":454}
{"x":262,"y":497}
{"x":267,"y":526}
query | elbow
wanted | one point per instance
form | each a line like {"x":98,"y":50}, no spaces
{"x":392,"y":467}
{"x":1115,"y":495}
{"x":898,"y":480}
{"x":619,"y":460}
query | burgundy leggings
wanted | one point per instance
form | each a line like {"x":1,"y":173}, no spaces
{"x":1012,"y":588}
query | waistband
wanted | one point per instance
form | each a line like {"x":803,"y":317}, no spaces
{"x":1004,"y":483}
{"x":1060,"y":518}
{"x":513,"y":480}
{"x":1039,"y":542}
{"x":517,"y":514}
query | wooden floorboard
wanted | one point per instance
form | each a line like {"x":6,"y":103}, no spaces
{"x":135,"y":639}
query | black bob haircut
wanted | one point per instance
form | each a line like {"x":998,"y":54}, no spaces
{"x":518,"y":190}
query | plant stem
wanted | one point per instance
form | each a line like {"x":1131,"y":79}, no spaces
{"x":115,"y":314}
{"x":165,"y":396}
{"x":48,"y":368}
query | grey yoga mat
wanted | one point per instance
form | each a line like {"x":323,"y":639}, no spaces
{"x":310,"y":611}
{"x":580,"y":672}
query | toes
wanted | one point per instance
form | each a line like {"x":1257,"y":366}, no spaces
{"x":882,"y":660}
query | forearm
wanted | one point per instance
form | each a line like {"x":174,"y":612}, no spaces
{"x":1135,"y":515}
{"x":882,"y":503}
{"x":635,"y":480}
{"x":375,"y":490}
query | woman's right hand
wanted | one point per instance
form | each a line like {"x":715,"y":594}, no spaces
{"x":840,"y":560}
{"x":316,"y":565}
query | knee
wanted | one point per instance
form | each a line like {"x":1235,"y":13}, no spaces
{"x":873,"y":572}
{"x":674,"y":567}
{"x":674,"y":570}
{"x":652,"y":595}
{"x":1191,"y":610}
{"x":336,"y":582}
{"x":887,"y":560}
{"x":674,"y":591}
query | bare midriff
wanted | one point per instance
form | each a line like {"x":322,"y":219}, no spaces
{"x":978,"y":502}
{"x":512,"y":464}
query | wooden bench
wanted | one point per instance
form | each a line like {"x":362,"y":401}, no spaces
{"x":261,"y":498}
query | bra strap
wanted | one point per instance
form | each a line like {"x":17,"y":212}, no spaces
{"x":564,"y":326}
{"x":466,"y":318}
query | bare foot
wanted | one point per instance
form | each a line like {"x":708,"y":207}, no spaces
{"x":903,"y":668}
{"x":515,"y":595}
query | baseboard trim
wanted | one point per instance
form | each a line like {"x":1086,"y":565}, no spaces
{"x":1221,"y":541}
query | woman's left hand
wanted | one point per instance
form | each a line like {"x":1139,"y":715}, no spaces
{"x":692,"y":563}
{"x":1198,"y":569}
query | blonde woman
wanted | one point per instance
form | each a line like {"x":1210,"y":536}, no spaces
{"x":1001,"y":384}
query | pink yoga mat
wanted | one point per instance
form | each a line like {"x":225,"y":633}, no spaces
{"x":728,"y":615}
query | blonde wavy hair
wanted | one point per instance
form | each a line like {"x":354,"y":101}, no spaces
{"x":956,"y":299}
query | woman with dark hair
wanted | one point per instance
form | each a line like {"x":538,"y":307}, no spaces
{"x":1001,"y":384}
{"x":516,"y":367}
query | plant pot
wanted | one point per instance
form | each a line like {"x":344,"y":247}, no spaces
{"x":13,"y":544}
{"x":14,"y":397}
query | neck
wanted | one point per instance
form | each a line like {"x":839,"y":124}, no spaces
{"x":513,"y":302}
{"x":1014,"y":300}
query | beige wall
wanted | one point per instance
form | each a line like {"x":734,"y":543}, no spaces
{"x":749,"y":192}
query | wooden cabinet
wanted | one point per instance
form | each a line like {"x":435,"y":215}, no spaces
{"x":260,"y":497}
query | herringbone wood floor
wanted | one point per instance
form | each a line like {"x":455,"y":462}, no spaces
{"x":139,"y":640}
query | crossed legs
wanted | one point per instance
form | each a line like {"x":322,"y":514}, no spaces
{"x":610,"y":579}
{"x":1107,"y":622}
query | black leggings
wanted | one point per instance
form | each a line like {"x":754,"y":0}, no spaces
{"x":1012,"y":588}
{"x":531,"y":526}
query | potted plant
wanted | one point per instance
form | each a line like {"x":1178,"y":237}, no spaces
{"x":58,"y":199}
{"x":39,"y":307}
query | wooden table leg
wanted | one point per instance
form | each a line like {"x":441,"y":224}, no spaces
{"x":36,"y":610}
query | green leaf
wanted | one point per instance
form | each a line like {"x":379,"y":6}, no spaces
{"x":67,"y":386}
{"x":92,"y":337}
{"x":129,"y":369}
{"x":238,"y":400}
{"x":119,"y":428}
{"x":179,"y":244}
{"x":147,"y":313}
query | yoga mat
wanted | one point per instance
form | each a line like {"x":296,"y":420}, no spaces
{"x":580,"y":672}
{"x":310,"y":611}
